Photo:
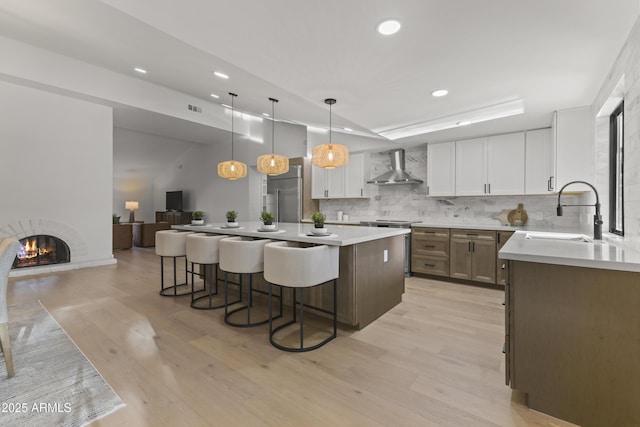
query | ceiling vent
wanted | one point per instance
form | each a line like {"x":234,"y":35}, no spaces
{"x":194,"y":108}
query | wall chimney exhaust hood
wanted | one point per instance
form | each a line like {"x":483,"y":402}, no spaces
{"x":397,"y":175}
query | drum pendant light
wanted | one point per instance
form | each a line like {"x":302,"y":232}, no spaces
{"x":330,"y":156}
{"x":232,"y":169}
{"x":273,"y":164}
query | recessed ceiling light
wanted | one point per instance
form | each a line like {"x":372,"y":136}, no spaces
{"x":348,"y":129}
{"x":213,"y":95}
{"x":140,"y":70}
{"x":464,"y":123}
{"x":221,"y":75}
{"x":388,"y":27}
{"x":440,"y":92}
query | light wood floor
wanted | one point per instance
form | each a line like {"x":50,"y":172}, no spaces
{"x":434,"y":360}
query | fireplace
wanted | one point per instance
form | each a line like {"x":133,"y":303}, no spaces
{"x":40,"y":250}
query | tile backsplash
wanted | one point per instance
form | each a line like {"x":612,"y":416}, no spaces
{"x":411,"y":202}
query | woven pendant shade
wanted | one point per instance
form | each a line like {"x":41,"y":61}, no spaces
{"x":329,"y":156}
{"x":273,"y":164}
{"x":232,"y":169}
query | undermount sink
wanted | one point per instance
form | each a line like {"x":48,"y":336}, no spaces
{"x":566,"y":237}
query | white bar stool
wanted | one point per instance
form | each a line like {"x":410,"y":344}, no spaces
{"x":172,"y":244}
{"x":242,"y":255}
{"x":291,"y":265}
{"x":203,"y":250}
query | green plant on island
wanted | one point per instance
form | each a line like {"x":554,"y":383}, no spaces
{"x":318,"y":219}
{"x":267,"y":217}
{"x":231,"y":216}
{"x":197,"y":215}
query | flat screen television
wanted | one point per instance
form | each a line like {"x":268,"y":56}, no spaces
{"x":174,"y":201}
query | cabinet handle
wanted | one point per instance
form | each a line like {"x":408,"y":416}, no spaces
{"x":429,"y":265}
{"x":473,"y":246}
{"x":485,"y":189}
{"x":551,"y":181}
{"x":469,"y":246}
{"x":362,"y":192}
{"x":427,"y":190}
{"x":489,"y":186}
{"x":549,"y":184}
{"x":429,"y":246}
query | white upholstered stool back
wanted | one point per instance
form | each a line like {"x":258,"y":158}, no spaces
{"x":288,"y":264}
{"x":242,"y":254}
{"x":203,"y":248}
{"x":171,"y":243}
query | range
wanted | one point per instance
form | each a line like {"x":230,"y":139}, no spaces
{"x":396,"y":223}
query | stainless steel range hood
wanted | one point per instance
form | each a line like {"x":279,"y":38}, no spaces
{"x":397,"y":175}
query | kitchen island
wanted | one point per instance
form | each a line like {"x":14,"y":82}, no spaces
{"x":371,"y":280}
{"x":572,"y":326}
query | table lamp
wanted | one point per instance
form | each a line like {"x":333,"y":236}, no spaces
{"x":132,"y":206}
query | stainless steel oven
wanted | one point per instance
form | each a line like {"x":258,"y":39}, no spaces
{"x":396,"y":223}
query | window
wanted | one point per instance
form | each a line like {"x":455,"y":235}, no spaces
{"x":616,"y":171}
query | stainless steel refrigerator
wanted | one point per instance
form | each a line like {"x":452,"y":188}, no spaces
{"x":284,"y":195}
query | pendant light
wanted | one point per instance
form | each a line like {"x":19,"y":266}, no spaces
{"x":232,"y":169}
{"x":273,"y":164}
{"x":330,"y":156}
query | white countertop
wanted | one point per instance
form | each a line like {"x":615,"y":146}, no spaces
{"x":341,"y":235}
{"x":611,"y":253}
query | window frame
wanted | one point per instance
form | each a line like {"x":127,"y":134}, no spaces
{"x":616,"y":157}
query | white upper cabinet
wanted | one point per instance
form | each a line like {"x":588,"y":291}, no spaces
{"x":441,"y":169}
{"x":344,"y":182}
{"x":539,"y":168}
{"x":471,"y":167}
{"x":573,"y":133}
{"x":505,"y":164}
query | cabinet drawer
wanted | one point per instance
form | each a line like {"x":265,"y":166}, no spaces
{"x":473,"y":234}
{"x":430,"y":265}
{"x":426,"y":245}
{"x":431,"y":233}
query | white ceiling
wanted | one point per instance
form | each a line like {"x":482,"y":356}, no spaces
{"x":550,"y":54}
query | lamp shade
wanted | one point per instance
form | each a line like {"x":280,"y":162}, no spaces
{"x":131,"y":205}
{"x":330,"y":156}
{"x":273,"y":164}
{"x":232,"y":169}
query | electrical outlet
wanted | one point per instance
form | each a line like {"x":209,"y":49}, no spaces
{"x":386,"y":255}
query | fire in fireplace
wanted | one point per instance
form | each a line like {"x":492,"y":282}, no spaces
{"x":41,"y":250}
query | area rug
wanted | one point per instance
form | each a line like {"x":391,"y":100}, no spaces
{"x":54,"y":383}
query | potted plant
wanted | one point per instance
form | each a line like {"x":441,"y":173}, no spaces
{"x":197,"y":218}
{"x":318,"y":223}
{"x":231,"y":218}
{"x":267,"y":220}
{"x":116,"y":219}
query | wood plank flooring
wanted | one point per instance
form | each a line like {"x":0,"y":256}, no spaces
{"x":433,"y":360}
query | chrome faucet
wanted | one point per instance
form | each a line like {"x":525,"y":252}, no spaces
{"x":597,"y":218}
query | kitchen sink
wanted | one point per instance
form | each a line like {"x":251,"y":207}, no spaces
{"x":566,"y":237}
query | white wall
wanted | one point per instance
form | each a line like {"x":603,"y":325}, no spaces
{"x":56,"y":169}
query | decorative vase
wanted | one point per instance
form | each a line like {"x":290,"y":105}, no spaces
{"x":319,"y":229}
{"x":268,"y":227}
{"x":197,"y":221}
{"x":232,"y":224}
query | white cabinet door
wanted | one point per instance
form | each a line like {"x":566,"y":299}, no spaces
{"x":354,"y":182}
{"x":318,"y":183}
{"x":471,"y":167}
{"x":538,"y":167}
{"x":575,"y":148}
{"x":505,"y":164}
{"x":441,"y":169}
{"x":335,"y":182}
